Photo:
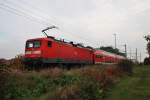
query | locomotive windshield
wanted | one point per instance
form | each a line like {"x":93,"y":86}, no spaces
{"x":33,"y":44}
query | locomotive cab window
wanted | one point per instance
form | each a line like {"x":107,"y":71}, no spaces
{"x":36,"y":44}
{"x":30,"y":45}
{"x":49,"y":44}
{"x":33,"y":44}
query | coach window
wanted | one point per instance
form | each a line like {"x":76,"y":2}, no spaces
{"x":49,"y":44}
{"x":99,"y":56}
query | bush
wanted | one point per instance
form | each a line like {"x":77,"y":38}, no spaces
{"x":147,"y":61}
{"x":71,"y":92}
{"x":91,"y":89}
{"x":126,"y":66}
{"x":90,"y":83}
{"x":18,"y":85}
{"x":3,"y":79}
{"x":65,"y":80}
{"x":84,"y":89}
{"x":17,"y":63}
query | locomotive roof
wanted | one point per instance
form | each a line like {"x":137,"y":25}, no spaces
{"x":62,"y":41}
{"x":40,"y":39}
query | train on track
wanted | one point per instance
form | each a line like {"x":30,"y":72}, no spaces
{"x":49,"y":50}
{"x":52,"y":51}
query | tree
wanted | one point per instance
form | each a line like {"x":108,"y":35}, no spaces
{"x":147,"y":38}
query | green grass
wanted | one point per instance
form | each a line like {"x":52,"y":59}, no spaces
{"x":135,"y":87}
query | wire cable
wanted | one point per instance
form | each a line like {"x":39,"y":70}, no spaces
{"x":22,"y":12}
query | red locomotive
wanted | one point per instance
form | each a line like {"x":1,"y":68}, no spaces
{"x":51,"y":51}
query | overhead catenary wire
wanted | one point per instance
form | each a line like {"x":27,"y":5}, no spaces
{"x":22,"y":12}
{"x":31,"y":10}
{"x":71,"y":34}
{"x":19,"y":14}
{"x":37,"y":10}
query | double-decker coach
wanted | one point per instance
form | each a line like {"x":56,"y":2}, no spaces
{"x":101,"y":56}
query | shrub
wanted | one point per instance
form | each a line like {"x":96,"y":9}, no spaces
{"x":51,"y":72}
{"x":71,"y":92}
{"x":91,"y":89}
{"x":147,"y":61}
{"x":90,"y":83}
{"x":17,"y":63}
{"x":65,"y":80}
{"x":16,"y":86}
{"x":3,"y":79}
{"x":84,"y":89}
{"x":102,"y":75}
{"x":126,"y":66}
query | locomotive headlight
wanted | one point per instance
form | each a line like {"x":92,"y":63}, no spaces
{"x":33,"y":52}
{"x":36,"y":52}
{"x":28,"y":52}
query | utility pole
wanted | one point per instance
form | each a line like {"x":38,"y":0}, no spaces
{"x":115,"y":40}
{"x":136,"y":55}
{"x":130,"y":54}
{"x":140,"y":57}
{"x":125,"y":49}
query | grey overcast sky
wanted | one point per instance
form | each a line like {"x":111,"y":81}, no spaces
{"x":92,"y":22}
